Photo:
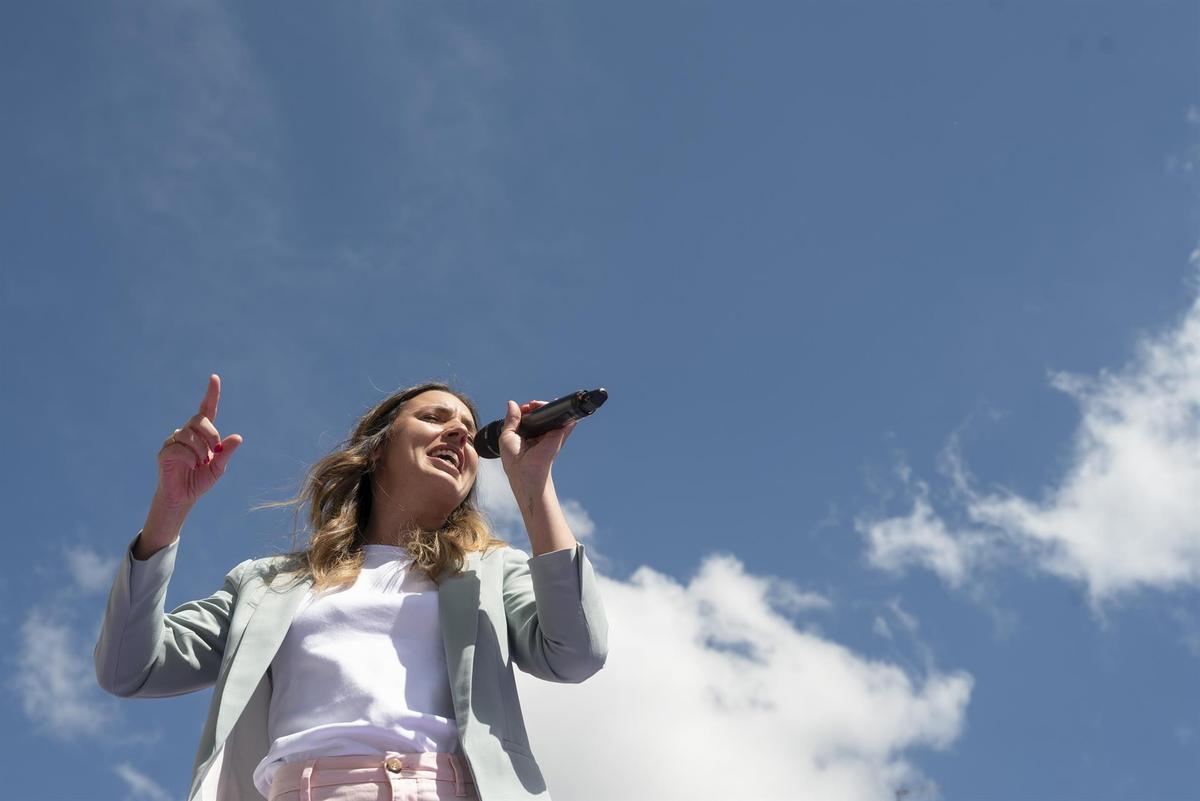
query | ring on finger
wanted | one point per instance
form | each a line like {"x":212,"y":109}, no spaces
{"x":171,"y":440}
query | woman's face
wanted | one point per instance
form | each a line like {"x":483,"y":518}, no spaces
{"x":427,"y":485}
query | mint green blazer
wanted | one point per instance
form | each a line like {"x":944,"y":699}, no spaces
{"x":543,"y":614}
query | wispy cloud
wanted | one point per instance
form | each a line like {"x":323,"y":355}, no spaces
{"x":55,"y":681}
{"x":51,"y":673}
{"x":188,"y":129}
{"x":91,"y":572}
{"x":1123,"y":517}
{"x":922,"y":537}
{"x":1187,"y":161}
{"x":140,"y":785}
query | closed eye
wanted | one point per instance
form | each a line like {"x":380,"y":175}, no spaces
{"x":435,"y":418}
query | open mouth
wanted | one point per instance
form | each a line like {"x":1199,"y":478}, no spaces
{"x":445,"y":461}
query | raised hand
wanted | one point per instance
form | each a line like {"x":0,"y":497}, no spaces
{"x":194,"y":457}
{"x":527,"y":462}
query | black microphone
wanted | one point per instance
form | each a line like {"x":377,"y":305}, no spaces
{"x":555,"y":414}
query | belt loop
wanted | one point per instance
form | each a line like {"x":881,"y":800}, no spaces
{"x":306,"y":781}
{"x":459,"y":788}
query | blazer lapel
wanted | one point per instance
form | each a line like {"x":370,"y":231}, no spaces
{"x":458,"y":615}
{"x":264,"y":633}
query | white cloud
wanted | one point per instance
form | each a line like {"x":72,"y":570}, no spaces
{"x":922,"y":538}
{"x":705,"y":679}
{"x":140,"y":785}
{"x":1125,"y":514}
{"x":90,"y":571}
{"x":710,"y":691}
{"x":55,"y":680}
{"x":578,"y":519}
{"x":906,"y":619}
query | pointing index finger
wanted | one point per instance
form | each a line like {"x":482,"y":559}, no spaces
{"x":208,"y":406}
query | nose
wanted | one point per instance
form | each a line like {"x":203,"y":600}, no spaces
{"x":458,"y":432}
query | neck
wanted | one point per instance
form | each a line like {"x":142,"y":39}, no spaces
{"x":396,"y":518}
{"x":400,"y":539}
{"x":396,"y":527}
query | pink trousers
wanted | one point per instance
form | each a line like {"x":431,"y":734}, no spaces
{"x":392,"y":777}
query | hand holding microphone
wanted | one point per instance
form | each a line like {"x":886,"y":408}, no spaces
{"x":545,"y":417}
{"x":529,"y":437}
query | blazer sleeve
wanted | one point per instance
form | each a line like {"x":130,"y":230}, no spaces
{"x":145,"y":653}
{"x":557,"y":629}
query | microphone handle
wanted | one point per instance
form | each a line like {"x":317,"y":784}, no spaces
{"x":555,"y":414}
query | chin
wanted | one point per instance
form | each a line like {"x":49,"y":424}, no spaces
{"x":447,"y":499}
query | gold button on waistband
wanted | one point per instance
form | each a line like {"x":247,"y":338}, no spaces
{"x":394,"y":764}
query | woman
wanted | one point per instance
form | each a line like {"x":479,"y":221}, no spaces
{"x":376,"y":662}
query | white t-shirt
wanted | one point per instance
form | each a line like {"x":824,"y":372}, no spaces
{"x":362,"y":670}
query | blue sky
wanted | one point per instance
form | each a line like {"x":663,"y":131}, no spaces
{"x":895,"y":303}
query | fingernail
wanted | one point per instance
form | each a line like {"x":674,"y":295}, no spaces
{"x":220,"y":446}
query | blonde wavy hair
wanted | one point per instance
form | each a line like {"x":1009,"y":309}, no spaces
{"x":338,"y":496}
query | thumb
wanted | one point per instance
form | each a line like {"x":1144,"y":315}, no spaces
{"x":228,"y":446}
{"x":512,"y":417}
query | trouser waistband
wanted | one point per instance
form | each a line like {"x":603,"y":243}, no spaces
{"x":324,"y":771}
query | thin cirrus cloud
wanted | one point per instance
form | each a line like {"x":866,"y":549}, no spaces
{"x":90,"y":571}
{"x":52,"y":675}
{"x":193,"y":131}
{"x":140,"y":785}
{"x":191,"y":136}
{"x":711,"y":690}
{"x":54,"y":679}
{"x":1125,"y":514}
